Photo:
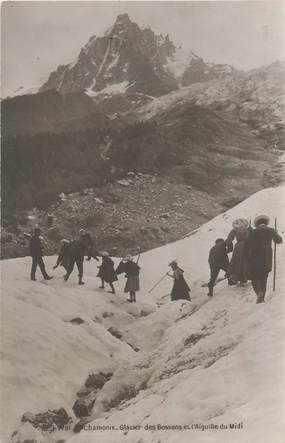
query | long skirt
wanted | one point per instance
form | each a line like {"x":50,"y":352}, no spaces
{"x":132,"y":284}
{"x":238,"y":266}
{"x":107,"y":274}
{"x":180,"y":290}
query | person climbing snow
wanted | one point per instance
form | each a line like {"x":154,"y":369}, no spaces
{"x":76,"y":255}
{"x":87,"y":242}
{"x":107,"y":272}
{"x":37,"y":252}
{"x":132,"y":270}
{"x":258,"y":251}
{"x":180,"y":289}
{"x":64,"y":255}
{"x":218,"y":260}
{"x":237,"y":267}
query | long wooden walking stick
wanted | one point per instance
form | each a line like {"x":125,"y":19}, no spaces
{"x":274,"y":258}
{"x":156,"y":284}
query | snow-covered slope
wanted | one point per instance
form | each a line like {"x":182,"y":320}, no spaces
{"x":210,"y":362}
{"x":45,"y":357}
{"x":221,"y":362}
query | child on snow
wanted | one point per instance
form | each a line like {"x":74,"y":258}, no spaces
{"x":132,"y":271}
{"x":107,"y":272}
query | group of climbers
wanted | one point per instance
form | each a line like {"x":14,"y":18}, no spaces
{"x":73,"y":252}
{"x":251,"y":260}
{"x":251,"y":256}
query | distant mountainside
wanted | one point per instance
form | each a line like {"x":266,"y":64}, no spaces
{"x":199,"y":71}
{"x":142,"y":185}
{"x":130,"y":69}
{"x":133,"y":103}
{"x":256,"y":98}
{"x":49,"y":112}
{"x":133,"y":60}
{"x":126,"y":56}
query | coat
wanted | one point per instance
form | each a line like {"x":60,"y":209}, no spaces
{"x":132,"y":271}
{"x":106,"y":270}
{"x":87,"y":242}
{"x":258,"y":251}
{"x":36,"y":246}
{"x":77,"y":249}
{"x":63,"y":256}
{"x":238,"y":265}
{"x":218,"y":256}
{"x":180,"y":289}
{"x":130,"y":268}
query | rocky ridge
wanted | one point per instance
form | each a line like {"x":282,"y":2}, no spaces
{"x":128,"y":59}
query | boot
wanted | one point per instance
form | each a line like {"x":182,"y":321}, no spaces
{"x":112,"y":289}
{"x":48,"y":277}
{"x":210,"y":293}
{"x":80,"y":282}
{"x":260,"y":298}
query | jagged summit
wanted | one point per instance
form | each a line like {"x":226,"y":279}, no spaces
{"x":132,"y":58}
{"x":123,"y":20}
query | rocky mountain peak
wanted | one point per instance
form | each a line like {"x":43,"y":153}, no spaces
{"x":129,"y":59}
{"x":122,"y":25}
{"x":125,"y":59}
{"x":123,"y":22}
{"x":199,"y":71}
{"x":123,"y":18}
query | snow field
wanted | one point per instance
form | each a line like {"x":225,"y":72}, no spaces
{"x":212,"y":361}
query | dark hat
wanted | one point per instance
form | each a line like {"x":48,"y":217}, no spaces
{"x":261,"y":219}
{"x":172,"y":262}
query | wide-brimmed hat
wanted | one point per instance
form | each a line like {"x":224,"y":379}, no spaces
{"x":263,"y":217}
{"x":172,"y":262}
{"x":240,"y":223}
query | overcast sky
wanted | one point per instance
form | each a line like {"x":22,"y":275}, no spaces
{"x":38,"y":36}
